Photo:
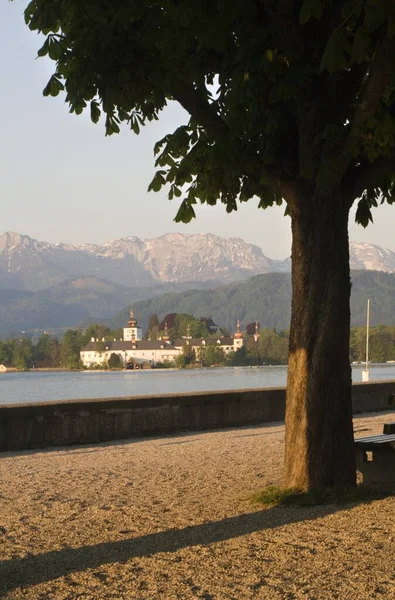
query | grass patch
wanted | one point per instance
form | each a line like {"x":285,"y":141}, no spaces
{"x":277,"y":496}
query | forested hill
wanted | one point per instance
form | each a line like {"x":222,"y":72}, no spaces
{"x":267,"y":299}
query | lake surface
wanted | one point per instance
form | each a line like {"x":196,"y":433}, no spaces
{"x":42,"y":386}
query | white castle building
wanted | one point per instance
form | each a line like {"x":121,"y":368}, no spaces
{"x":133,"y":350}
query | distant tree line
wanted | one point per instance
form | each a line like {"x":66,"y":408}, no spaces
{"x":182,"y":324}
{"x":270,"y":348}
{"x":50,"y":352}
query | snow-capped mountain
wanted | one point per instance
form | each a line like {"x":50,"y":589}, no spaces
{"x":372,"y":258}
{"x":132,"y":262}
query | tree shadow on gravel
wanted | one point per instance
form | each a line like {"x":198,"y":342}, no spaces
{"x":33,"y":570}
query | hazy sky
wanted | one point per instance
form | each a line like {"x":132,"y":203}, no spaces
{"x":62,"y":180}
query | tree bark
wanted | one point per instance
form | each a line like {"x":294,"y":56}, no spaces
{"x":319,"y":448}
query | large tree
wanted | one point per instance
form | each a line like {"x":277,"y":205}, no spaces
{"x":289,"y":100}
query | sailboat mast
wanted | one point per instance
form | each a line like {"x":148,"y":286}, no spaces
{"x":367,"y":335}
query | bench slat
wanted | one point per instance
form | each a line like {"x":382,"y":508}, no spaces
{"x":377,"y":438}
{"x":376,"y":442}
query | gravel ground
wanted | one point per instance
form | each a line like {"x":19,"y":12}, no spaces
{"x":171,"y":518}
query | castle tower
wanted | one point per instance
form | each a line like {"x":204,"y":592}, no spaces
{"x":132,"y":319}
{"x":132,"y":332}
{"x":237,"y":337}
{"x":165,"y":336}
{"x":256,"y":334}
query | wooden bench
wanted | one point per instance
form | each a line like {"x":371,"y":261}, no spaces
{"x":375,"y":457}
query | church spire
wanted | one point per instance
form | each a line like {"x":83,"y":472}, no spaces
{"x":256,"y":334}
{"x":165,"y":335}
{"x":238,"y":333}
{"x":132,"y":319}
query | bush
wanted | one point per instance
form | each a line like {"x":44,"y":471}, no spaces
{"x":115,"y":361}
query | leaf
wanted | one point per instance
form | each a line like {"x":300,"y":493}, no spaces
{"x":157,"y":182}
{"x":44,"y":48}
{"x":310,"y":8}
{"x":53,"y":87}
{"x":363,"y":214}
{"x":185,"y":213}
{"x":334,"y":56}
{"x":111,"y":125}
{"x":95,"y":111}
{"x":134,"y":126}
{"x":267,"y":198}
{"x":29,"y":11}
{"x":55,"y":50}
{"x":77,"y":104}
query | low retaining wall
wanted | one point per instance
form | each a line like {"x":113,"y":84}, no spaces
{"x":41,"y":425}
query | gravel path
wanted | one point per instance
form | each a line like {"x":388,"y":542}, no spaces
{"x":171,"y":518}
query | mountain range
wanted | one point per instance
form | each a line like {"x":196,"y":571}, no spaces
{"x":45,"y":285}
{"x":267,"y":299}
{"x":26,"y":263}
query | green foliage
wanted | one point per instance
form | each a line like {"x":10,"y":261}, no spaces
{"x":189,"y":355}
{"x":270,"y":349}
{"x":381,"y":344}
{"x":22,"y":357}
{"x":164,"y":365}
{"x":180,"y":361}
{"x":98,"y":332}
{"x":70,"y":347}
{"x":310,"y":9}
{"x":267,"y":299}
{"x":210,"y":355}
{"x":115,"y":361}
{"x":7,"y":352}
{"x":273,"y":347}
{"x":46,"y":352}
{"x":153,"y":328}
{"x":250,"y":77}
{"x":197,"y":328}
{"x":239,"y":358}
{"x":178,"y":324}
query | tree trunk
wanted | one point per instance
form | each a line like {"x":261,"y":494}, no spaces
{"x":318,"y":433}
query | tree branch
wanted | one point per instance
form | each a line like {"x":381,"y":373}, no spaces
{"x":205,"y":114}
{"x":367,"y":176}
{"x":370,"y":98}
{"x":202,"y":111}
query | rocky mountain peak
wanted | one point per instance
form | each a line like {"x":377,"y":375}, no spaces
{"x":170,"y":258}
{"x":371,"y":257}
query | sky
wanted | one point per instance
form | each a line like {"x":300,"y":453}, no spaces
{"x":62,"y":180}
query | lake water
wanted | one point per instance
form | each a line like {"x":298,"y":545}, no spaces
{"x":42,"y":386}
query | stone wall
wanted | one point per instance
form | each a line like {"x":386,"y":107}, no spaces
{"x":41,"y":425}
